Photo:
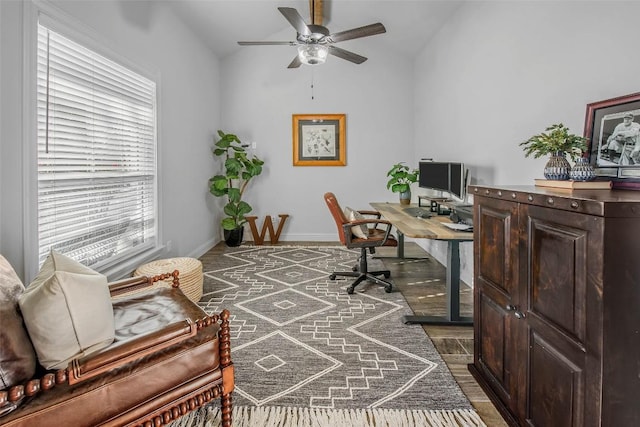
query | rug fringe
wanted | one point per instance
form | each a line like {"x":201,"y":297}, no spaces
{"x":276,"y":416}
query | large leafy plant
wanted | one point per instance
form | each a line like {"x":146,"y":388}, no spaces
{"x":555,"y":138}
{"x":401,"y":178}
{"x":239,"y":169}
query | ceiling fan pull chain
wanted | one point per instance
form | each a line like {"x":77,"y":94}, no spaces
{"x":312,"y":75}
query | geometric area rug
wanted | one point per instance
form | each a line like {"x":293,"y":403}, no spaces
{"x":307,"y":353}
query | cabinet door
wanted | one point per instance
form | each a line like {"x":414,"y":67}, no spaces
{"x":495,"y":294}
{"x":561,"y":264}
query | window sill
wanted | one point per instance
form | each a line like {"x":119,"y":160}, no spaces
{"x":125,"y":269}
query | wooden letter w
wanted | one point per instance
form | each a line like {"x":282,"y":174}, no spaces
{"x":258,"y":239}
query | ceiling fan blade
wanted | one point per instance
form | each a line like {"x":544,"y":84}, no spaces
{"x":355,"y":33}
{"x":316,"y":8}
{"x":267,"y":43}
{"x":295,"y":20}
{"x":295,"y":63}
{"x":345,"y":54}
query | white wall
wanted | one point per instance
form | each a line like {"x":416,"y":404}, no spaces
{"x":259,"y":97}
{"x":501,"y":71}
{"x":497,"y":73}
{"x":189,"y":106}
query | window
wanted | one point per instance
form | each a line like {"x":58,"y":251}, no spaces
{"x":97,"y":186}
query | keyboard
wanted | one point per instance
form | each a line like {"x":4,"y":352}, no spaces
{"x":458,"y":226}
{"x":418,"y":212}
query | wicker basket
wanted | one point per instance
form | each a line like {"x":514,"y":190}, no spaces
{"x":190,"y":274}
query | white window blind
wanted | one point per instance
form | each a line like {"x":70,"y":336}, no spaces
{"x":96,"y":155}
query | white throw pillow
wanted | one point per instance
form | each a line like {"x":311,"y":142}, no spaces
{"x":67,"y":310}
{"x":361,"y":231}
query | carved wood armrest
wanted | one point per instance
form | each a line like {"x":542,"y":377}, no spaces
{"x":93,"y":365}
{"x":172,"y":333}
{"x":141,"y":282}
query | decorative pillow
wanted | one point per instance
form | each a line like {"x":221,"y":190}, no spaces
{"x":17,"y":357}
{"x":68,"y":311}
{"x":361,"y":231}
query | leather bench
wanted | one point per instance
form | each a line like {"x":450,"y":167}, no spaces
{"x":168,"y":358}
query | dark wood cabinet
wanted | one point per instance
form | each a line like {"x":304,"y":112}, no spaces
{"x":557,"y":305}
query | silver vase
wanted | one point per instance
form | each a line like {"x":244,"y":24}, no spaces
{"x":582,"y":170}
{"x":557,"y":167}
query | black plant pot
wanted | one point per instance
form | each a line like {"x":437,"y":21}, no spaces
{"x":233,"y":237}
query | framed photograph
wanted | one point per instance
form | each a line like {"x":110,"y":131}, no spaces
{"x":612,"y":128}
{"x":319,"y":140}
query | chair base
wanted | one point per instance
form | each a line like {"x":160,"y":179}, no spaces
{"x":361,"y":274}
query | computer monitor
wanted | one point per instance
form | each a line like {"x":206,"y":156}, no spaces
{"x":443,"y":176}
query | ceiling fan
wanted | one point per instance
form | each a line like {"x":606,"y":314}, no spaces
{"x":315,"y":42}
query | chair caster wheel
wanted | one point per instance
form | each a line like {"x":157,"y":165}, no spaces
{"x":350,"y":290}
{"x":387,"y":275}
{"x":387,"y":288}
{"x":332,"y":277}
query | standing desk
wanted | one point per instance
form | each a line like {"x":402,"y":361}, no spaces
{"x":431,"y":228}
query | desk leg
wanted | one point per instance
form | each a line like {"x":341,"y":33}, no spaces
{"x":453,"y":275}
{"x":453,"y":293}
{"x":400,"y":249}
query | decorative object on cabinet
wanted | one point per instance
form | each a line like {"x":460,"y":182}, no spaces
{"x":557,"y":167}
{"x":239,"y":169}
{"x":582,"y":170}
{"x":612,"y":128}
{"x":574,"y":185}
{"x":319,"y":140}
{"x":557,"y":142}
{"x":555,"y":341}
{"x":401,"y":178}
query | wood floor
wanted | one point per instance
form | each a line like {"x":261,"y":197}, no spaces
{"x":422,"y":282}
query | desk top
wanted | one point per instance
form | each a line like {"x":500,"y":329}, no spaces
{"x":425,"y":228}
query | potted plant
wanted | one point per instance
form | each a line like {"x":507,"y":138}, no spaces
{"x":401,"y":178}
{"x":557,"y":142}
{"x":239,"y":169}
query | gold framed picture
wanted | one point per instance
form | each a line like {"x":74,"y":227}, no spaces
{"x":319,"y":140}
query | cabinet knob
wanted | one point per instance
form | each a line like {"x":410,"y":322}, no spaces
{"x":499,"y":193}
{"x":574,"y":205}
{"x":530,"y":198}
{"x":514,"y":195}
{"x":550,"y":200}
{"x":517,"y":313}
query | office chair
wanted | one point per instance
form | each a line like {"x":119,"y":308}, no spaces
{"x":370,"y":238}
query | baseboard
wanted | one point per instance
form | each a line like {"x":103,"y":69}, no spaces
{"x":203,"y":248}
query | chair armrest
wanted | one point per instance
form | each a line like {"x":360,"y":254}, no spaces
{"x":375,"y":242}
{"x":370,"y":213}
{"x":93,"y":365}
{"x":141,"y":282}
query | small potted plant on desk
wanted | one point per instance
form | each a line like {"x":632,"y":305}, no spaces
{"x":401,"y":178}
{"x":557,"y":142}
{"x":239,"y":169}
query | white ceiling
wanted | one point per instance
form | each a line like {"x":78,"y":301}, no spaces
{"x":222,"y":23}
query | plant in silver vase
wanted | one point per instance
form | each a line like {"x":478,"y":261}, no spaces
{"x":557,"y":142}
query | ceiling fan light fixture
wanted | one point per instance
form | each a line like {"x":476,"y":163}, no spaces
{"x":313,"y":54}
